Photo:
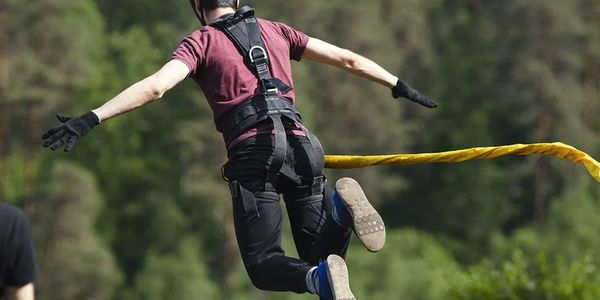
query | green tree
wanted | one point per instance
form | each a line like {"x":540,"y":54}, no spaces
{"x":181,"y":275}
{"x":501,"y":81}
{"x":412,"y":266}
{"x":526,"y":278}
{"x":470,"y":200}
{"x":590,"y":15}
{"x":72,"y":256}
{"x":502,"y":71}
{"x":40,"y":70}
{"x":542,"y":66}
{"x":568,"y":231}
{"x":553,"y":260}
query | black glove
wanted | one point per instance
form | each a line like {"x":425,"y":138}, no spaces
{"x":402,"y":89}
{"x":70,"y":131}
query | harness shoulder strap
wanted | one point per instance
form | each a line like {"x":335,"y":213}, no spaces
{"x":243,"y":30}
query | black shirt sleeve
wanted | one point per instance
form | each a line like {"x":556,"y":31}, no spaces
{"x":20,"y":267}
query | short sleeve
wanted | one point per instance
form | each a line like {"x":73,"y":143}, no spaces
{"x":21,"y":265}
{"x":297,"y":40}
{"x":189,"y":52}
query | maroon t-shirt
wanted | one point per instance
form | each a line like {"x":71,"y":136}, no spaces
{"x":218,"y":67}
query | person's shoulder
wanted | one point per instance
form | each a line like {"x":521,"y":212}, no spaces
{"x":8,"y":209}
{"x":272,"y":23}
{"x":208,"y":29}
{"x":200,"y":36}
{"x":202,"y":32}
{"x":282,"y":28}
{"x":9,"y":213}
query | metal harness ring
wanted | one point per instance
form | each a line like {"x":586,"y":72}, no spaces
{"x":256,"y":48}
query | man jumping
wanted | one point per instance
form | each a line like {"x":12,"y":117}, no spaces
{"x":243,"y":66}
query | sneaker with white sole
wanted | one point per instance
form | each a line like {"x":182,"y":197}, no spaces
{"x":333,"y":279}
{"x":366,"y":221}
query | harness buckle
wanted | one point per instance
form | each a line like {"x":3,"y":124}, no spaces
{"x":269,"y":88}
{"x":271,"y":91}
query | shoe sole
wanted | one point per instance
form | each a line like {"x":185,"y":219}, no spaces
{"x":338,"y":278}
{"x":368,"y":224}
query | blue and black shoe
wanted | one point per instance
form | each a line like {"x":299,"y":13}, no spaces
{"x":333,"y":278}
{"x":354,"y":210}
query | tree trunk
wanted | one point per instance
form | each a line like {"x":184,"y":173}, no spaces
{"x":229,"y":253}
{"x":541,"y":172}
{"x":4,"y":141}
{"x":590,"y":113}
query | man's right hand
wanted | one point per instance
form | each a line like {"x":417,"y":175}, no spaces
{"x":402,"y":89}
{"x":70,"y":131}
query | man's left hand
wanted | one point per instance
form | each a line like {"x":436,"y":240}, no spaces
{"x":402,"y":89}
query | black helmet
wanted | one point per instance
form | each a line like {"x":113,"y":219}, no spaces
{"x":197,"y":6}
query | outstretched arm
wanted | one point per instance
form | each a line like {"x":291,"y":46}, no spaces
{"x":145,"y":91}
{"x":347,"y":60}
{"x":141,"y":93}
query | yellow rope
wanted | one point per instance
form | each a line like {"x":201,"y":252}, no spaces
{"x":559,"y":150}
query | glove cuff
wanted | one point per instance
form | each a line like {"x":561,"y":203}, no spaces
{"x":90,"y":119}
{"x":400,"y":89}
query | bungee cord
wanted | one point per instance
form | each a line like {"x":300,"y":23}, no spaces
{"x":556,"y":149}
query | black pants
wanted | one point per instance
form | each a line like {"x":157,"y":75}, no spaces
{"x":258,"y":216}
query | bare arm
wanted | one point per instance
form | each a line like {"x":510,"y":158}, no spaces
{"x":323,"y":52}
{"x":147,"y":90}
{"x":141,"y":93}
{"x":347,"y":60}
{"x":25,"y":292}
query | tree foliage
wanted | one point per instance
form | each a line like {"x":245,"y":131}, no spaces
{"x":139,"y":209}
{"x":71,"y":254}
{"x":530,"y":278}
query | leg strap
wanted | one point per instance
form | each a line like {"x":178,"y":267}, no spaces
{"x":319,"y":180}
{"x":278,"y":152}
{"x":240,"y":193}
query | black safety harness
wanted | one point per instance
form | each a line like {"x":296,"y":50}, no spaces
{"x":243,"y":30}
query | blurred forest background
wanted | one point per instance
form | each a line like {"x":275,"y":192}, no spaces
{"x":139,"y":210}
